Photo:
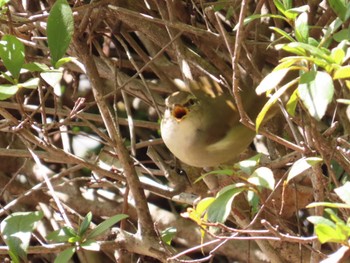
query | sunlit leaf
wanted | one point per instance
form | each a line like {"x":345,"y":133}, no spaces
{"x":341,"y":8}
{"x":219,"y":210}
{"x":248,"y":165}
{"x":326,"y":234}
{"x":91,"y":245}
{"x":338,"y":55}
{"x":343,"y":192}
{"x":52,"y":77}
{"x":63,"y":61}
{"x":292,"y":103}
{"x":16,"y":230}
{"x":263,"y":177}
{"x":12,"y":54}
{"x":342,"y":35}
{"x":342,"y":73}
{"x":30,"y":84}
{"x":60,"y":27}
{"x":35,"y":66}
{"x":168,"y":234}
{"x":303,"y":49}
{"x":58,"y":236}
{"x":321,"y":220}
{"x":223,"y":172}
{"x":65,"y":255}
{"x":85,"y":224}
{"x":302,"y":28}
{"x":272,"y":100}
{"x":328,"y":204}
{"x":3,"y":2}
{"x":271,"y":81}
{"x":105,"y":225}
{"x":7,"y":91}
{"x":251,"y":18}
{"x":301,"y":166}
{"x":316,"y":91}
{"x":282,"y":33}
{"x":343,"y":101}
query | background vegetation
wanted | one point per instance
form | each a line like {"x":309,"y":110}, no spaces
{"x":84,"y":175}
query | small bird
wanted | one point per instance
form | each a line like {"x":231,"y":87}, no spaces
{"x":202,"y":128}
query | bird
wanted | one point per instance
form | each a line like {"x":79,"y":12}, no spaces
{"x":202,"y":127}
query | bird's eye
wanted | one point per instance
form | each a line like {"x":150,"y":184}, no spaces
{"x":190,"y":102}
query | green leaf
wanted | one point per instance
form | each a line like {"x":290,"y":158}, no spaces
{"x":271,"y":81}
{"x":69,"y":231}
{"x":168,"y":234}
{"x":326,"y":234}
{"x":7,"y":91}
{"x":292,"y":49}
{"x":58,"y":236}
{"x":303,"y":49}
{"x":300,"y":62}
{"x":8,"y":77}
{"x":334,"y":216}
{"x":317,"y":220}
{"x":63,"y":61}
{"x":75,"y":239}
{"x":60,"y":27}
{"x":17,"y":229}
{"x":65,"y":255}
{"x":327,"y":204}
{"x":342,"y":73}
{"x":328,"y":231}
{"x":316,"y":92}
{"x":341,"y":8}
{"x":85,"y":224}
{"x":253,"y":199}
{"x":343,"y":101}
{"x":292,"y":103}
{"x":202,"y":207}
{"x":253,"y":17}
{"x":247,"y":166}
{"x":52,"y":77}
{"x":343,"y":192}
{"x":29,"y":84}
{"x":302,"y":28}
{"x":263,"y":177}
{"x":222,"y":172}
{"x":331,"y":29}
{"x":272,"y":100}
{"x":282,"y":33}
{"x":3,"y":2}
{"x":301,"y":166}
{"x":299,"y":9}
{"x":35,"y":66}
{"x":338,"y":55}
{"x":12,"y":54}
{"x":219,"y":210}
{"x":342,"y":35}
{"x":105,"y":225}
{"x":281,"y":6}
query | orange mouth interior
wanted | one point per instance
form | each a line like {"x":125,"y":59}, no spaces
{"x":179,"y":112}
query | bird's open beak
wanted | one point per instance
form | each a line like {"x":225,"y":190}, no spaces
{"x":179,"y":112}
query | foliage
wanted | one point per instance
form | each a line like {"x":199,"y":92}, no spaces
{"x":82,"y":89}
{"x":82,"y":238}
{"x":217,"y":210}
{"x":315,"y":87}
{"x":16,"y":230}
{"x":60,"y":27}
{"x":333,"y":229}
